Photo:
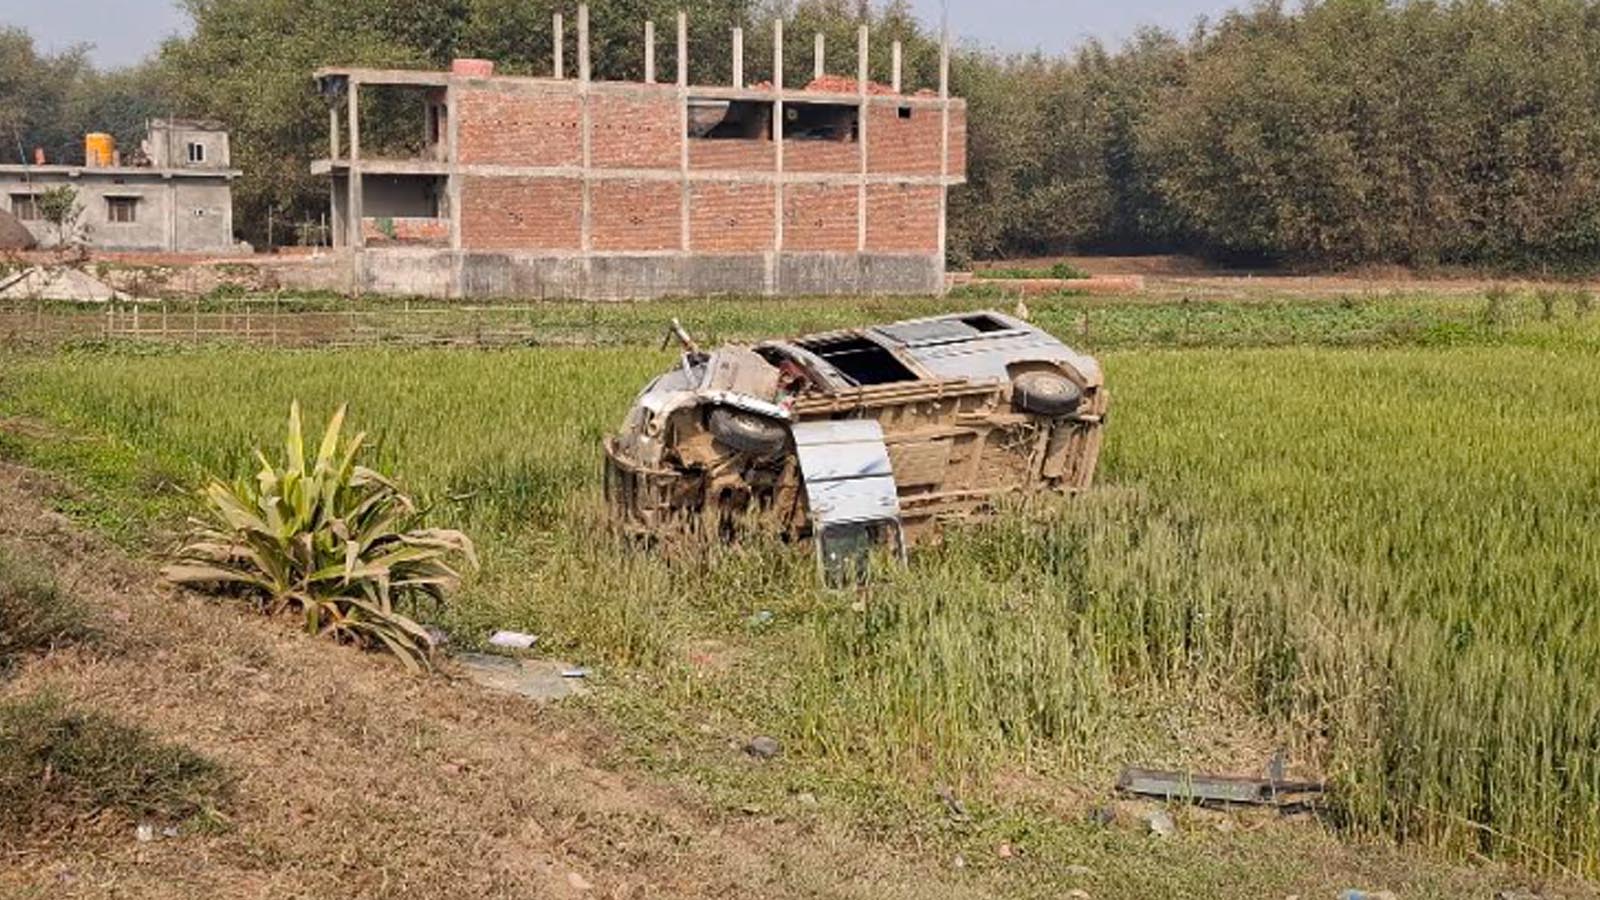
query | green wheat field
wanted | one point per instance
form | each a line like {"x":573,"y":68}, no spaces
{"x":1365,"y":531}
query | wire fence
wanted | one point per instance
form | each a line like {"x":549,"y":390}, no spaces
{"x":274,"y":322}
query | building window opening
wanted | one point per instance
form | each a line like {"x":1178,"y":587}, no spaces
{"x":26,"y":207}
{"x":905,"y":112}
{"x":730,"y":119}
{"x":197,"y":152}
{"x":122,"y":210}
{"x":820,"y":122}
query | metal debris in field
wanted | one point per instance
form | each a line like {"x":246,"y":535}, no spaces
{"x":1201,"y":788}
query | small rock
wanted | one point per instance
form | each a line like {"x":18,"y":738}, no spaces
{"x":959,"y":862}
{"x":145,"y":833}
{"x":171,"y":831}
{"x":806,"y":798}
{"x":763,"y":747}
{"x":1078,"y":872}
{"x":760,"y":618}
{"x":1004,"y":851}
{"x":1513,"y":894}
{"x":1077,"y":894}
{"x":1357,"y":894}
{"x":1160,"y":823}
{"x":578,"y":882}
{"x":1104,"y":816}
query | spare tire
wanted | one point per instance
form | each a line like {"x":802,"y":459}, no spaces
{"x":746,"y":431}
{"x":1045,"y":393}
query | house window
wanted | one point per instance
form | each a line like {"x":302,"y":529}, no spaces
{"x":197,"y":152}
{"x":729,"y":119}
{"x":820,"y":122}
{"x":26,"y":207}
{"x":121,"y":210}
{"x":905,"y":112}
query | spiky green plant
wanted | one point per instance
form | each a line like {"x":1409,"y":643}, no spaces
{"x":328,"y":539}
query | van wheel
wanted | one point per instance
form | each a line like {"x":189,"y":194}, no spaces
{"x":1046,"y":394}
{"x":746,"y":431}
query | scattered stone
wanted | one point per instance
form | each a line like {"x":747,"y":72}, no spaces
{"x":578,"y":882}
{"x":1077,"y":894}
{"x":536,"y":679}
{"x":760,"y":618}
{"x":1514,"y":894}
{"x":763,"y":747}
{"x":145,"y":833}
{"x":171,"y":831}
{"x":806,"y":798}
{"x":959,"y":862}
{"x":1104,"y":816}
{"x":1357,"y":894}
{"x":1005,"y":851}
{"x":1078,"y":872}
{"x":1161,"y":825}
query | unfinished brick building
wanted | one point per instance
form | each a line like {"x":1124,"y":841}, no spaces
{"x":573,"y":187}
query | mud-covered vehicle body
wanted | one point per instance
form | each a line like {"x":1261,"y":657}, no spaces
{"x":893,"y":425}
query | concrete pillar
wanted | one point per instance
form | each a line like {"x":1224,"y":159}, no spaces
{"x":738,"y":57}
{"x":683,"y":49}
{"x":862,"y":71}
{"x":684,"y":196}
{"x":944,"y":144}
{"x":583,"y":42}
{"x":819,"y":57}
{"x":777,"y":144}
{"x":558,"y":43}
{"x":649,"y":52}
{"x":333,"y":131}
{"x":895,"y":54}
{"x":861,"y":59}
{"x":353,"y":205}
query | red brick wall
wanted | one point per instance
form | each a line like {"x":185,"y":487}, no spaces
{"x":635,"y":215}
{"x":518,"y":128}
{"x":958,"y":139}
{"x":902,"y":218}
{"x":903,"y":146}
{"x":634,"y":131}
{"x":819,"y":217}
{"x":732,"y":154}
{"x":730,"y":217}
{"x":821,"y":156}
{"x":500,"y":213}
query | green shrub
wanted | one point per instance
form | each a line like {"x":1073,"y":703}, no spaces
{"x":54,"y":760}
{"x":327,"y":538}
{"x":34,"y":614}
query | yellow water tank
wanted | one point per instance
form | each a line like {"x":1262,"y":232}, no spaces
{"x":98,"y":148}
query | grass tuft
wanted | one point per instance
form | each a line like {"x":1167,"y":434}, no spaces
{"x":59,"y":765}
{"x":35,"y":615}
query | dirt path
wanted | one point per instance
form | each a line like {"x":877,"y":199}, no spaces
{"x":355,"y":780}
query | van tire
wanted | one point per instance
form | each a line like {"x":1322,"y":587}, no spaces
{"x":1046,"y":394}
{"x":747,"y":432}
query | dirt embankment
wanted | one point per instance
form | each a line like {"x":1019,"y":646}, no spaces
{"x":355,"y":780}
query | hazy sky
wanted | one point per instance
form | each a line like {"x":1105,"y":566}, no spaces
{"x":123,"y":31}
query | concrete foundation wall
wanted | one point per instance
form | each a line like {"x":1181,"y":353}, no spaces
{"x":601,"y":276}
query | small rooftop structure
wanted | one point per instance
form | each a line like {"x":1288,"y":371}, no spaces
{"x":565,"y":186}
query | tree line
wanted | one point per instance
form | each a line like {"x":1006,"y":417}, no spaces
{"x":1342,"y":132}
